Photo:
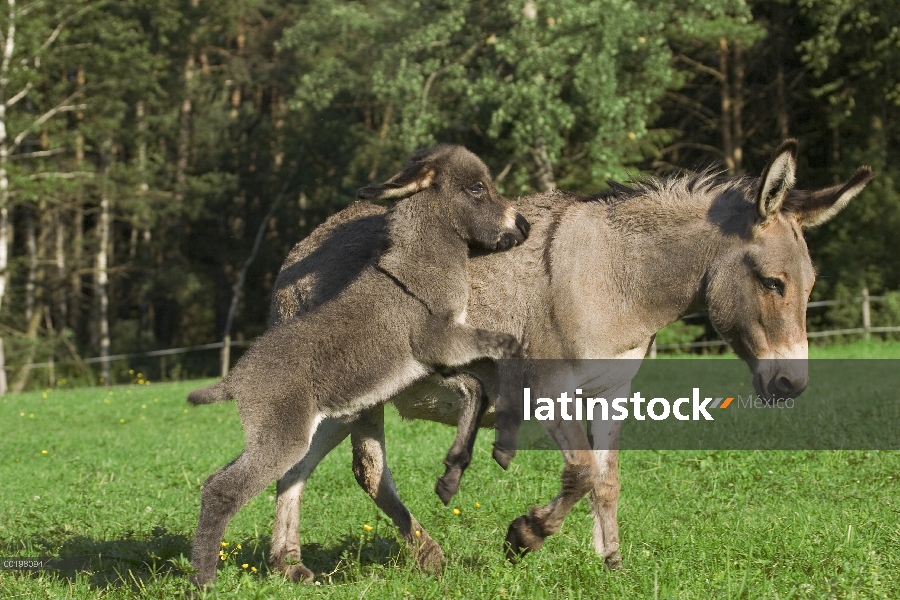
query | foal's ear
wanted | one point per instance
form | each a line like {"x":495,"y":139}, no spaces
{"x":413,"y":178}
{"x":777,"y":179}
{"x":814,"y":208}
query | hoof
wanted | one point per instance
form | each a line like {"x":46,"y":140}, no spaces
{"x":614,"y":561}
{"x":503,"y":457}
{"x":430,"y":557}
{"x":298,"y":573}
{"x":446,"y":488}
{"x":291,"y":567}
{"x":523,"y":537}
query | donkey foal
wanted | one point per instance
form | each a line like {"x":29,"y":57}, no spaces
{"x":402,"y":318}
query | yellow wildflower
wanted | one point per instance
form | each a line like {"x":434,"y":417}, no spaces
{"x":367,"y":527}
{"x":455,"y":511}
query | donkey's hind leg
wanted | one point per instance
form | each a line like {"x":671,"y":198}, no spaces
{"x":473,"y":401}
{"x":286,"y":549}
{"x":270,"y":451}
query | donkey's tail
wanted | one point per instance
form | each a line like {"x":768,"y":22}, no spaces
{"x":209,"y":394}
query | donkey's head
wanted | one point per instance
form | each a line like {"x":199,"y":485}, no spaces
{"x":461,"y":187}
{"x":758,"y":289}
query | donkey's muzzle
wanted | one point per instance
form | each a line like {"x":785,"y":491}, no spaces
{"x":786,"y":378}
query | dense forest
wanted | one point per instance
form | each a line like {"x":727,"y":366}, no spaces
{"x":158,"y":156}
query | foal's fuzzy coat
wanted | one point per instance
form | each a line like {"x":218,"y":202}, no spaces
{"x":392,"y":325}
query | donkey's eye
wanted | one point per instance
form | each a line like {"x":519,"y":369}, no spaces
{"x":476,"y":189}
{"x":773,"y":283}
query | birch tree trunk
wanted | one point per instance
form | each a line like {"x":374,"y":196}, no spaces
{"x":102,"y":285}
{"x":725,"y":95}
{"x":31,"y":250}
{"x":184,"y":129}
{"x":75,"y":284}
{"x":545,"y":177}
{"x":738,"y":108}
{"x":60,"y":250}
{"x":5,"y":227}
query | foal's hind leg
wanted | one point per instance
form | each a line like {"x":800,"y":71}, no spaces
{"x":374,"y":476}
{"x":473,"y":401}
{"x":285,"y":553}
{"x":270,"y":451}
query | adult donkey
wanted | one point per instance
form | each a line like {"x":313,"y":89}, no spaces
{"x":597,"y":278}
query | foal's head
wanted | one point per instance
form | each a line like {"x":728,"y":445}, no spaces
{"x":457,"y":187}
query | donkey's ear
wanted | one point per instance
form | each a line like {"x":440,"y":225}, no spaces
{"x":814,"y":208}
{"x":413,"y":178}
{"x":777,"y":179}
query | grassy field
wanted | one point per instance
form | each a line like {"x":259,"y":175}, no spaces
{"x":117,"y":473}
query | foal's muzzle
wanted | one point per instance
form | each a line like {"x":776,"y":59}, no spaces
{"x":508,"y":239}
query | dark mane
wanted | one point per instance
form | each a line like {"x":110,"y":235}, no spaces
{"x":706,"y":180}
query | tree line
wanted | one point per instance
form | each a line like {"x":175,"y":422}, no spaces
{"x":158,"y":159}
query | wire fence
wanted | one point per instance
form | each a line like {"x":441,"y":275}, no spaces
{"x":865,"y":301}
{"x":225,"y":346}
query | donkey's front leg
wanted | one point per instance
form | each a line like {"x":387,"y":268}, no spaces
{"x":285,"y":553}
{"x":528,"y":532}
{"x":473,"y":402}
{"x":605,"y":492}
{"x":373,"y":475}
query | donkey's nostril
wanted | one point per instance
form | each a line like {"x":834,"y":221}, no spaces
{"x":506,"y":241}
{"x":523,"y":224}
{"x":788,"y":387}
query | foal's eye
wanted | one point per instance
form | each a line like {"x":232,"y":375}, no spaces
{"x":476,"y":189}
{"x":773,"y":283}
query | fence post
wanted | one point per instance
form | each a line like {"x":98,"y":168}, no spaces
{"x":866,"y":315}
{"x":2,"y":370}
{"x":652,"y":353}
{"x":226,"y":354}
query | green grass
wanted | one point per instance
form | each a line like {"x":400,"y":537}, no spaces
{"x":858,"y":349}
{"x":726,"y":524}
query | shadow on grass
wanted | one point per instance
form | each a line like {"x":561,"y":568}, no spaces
{"x":134,"y":561}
